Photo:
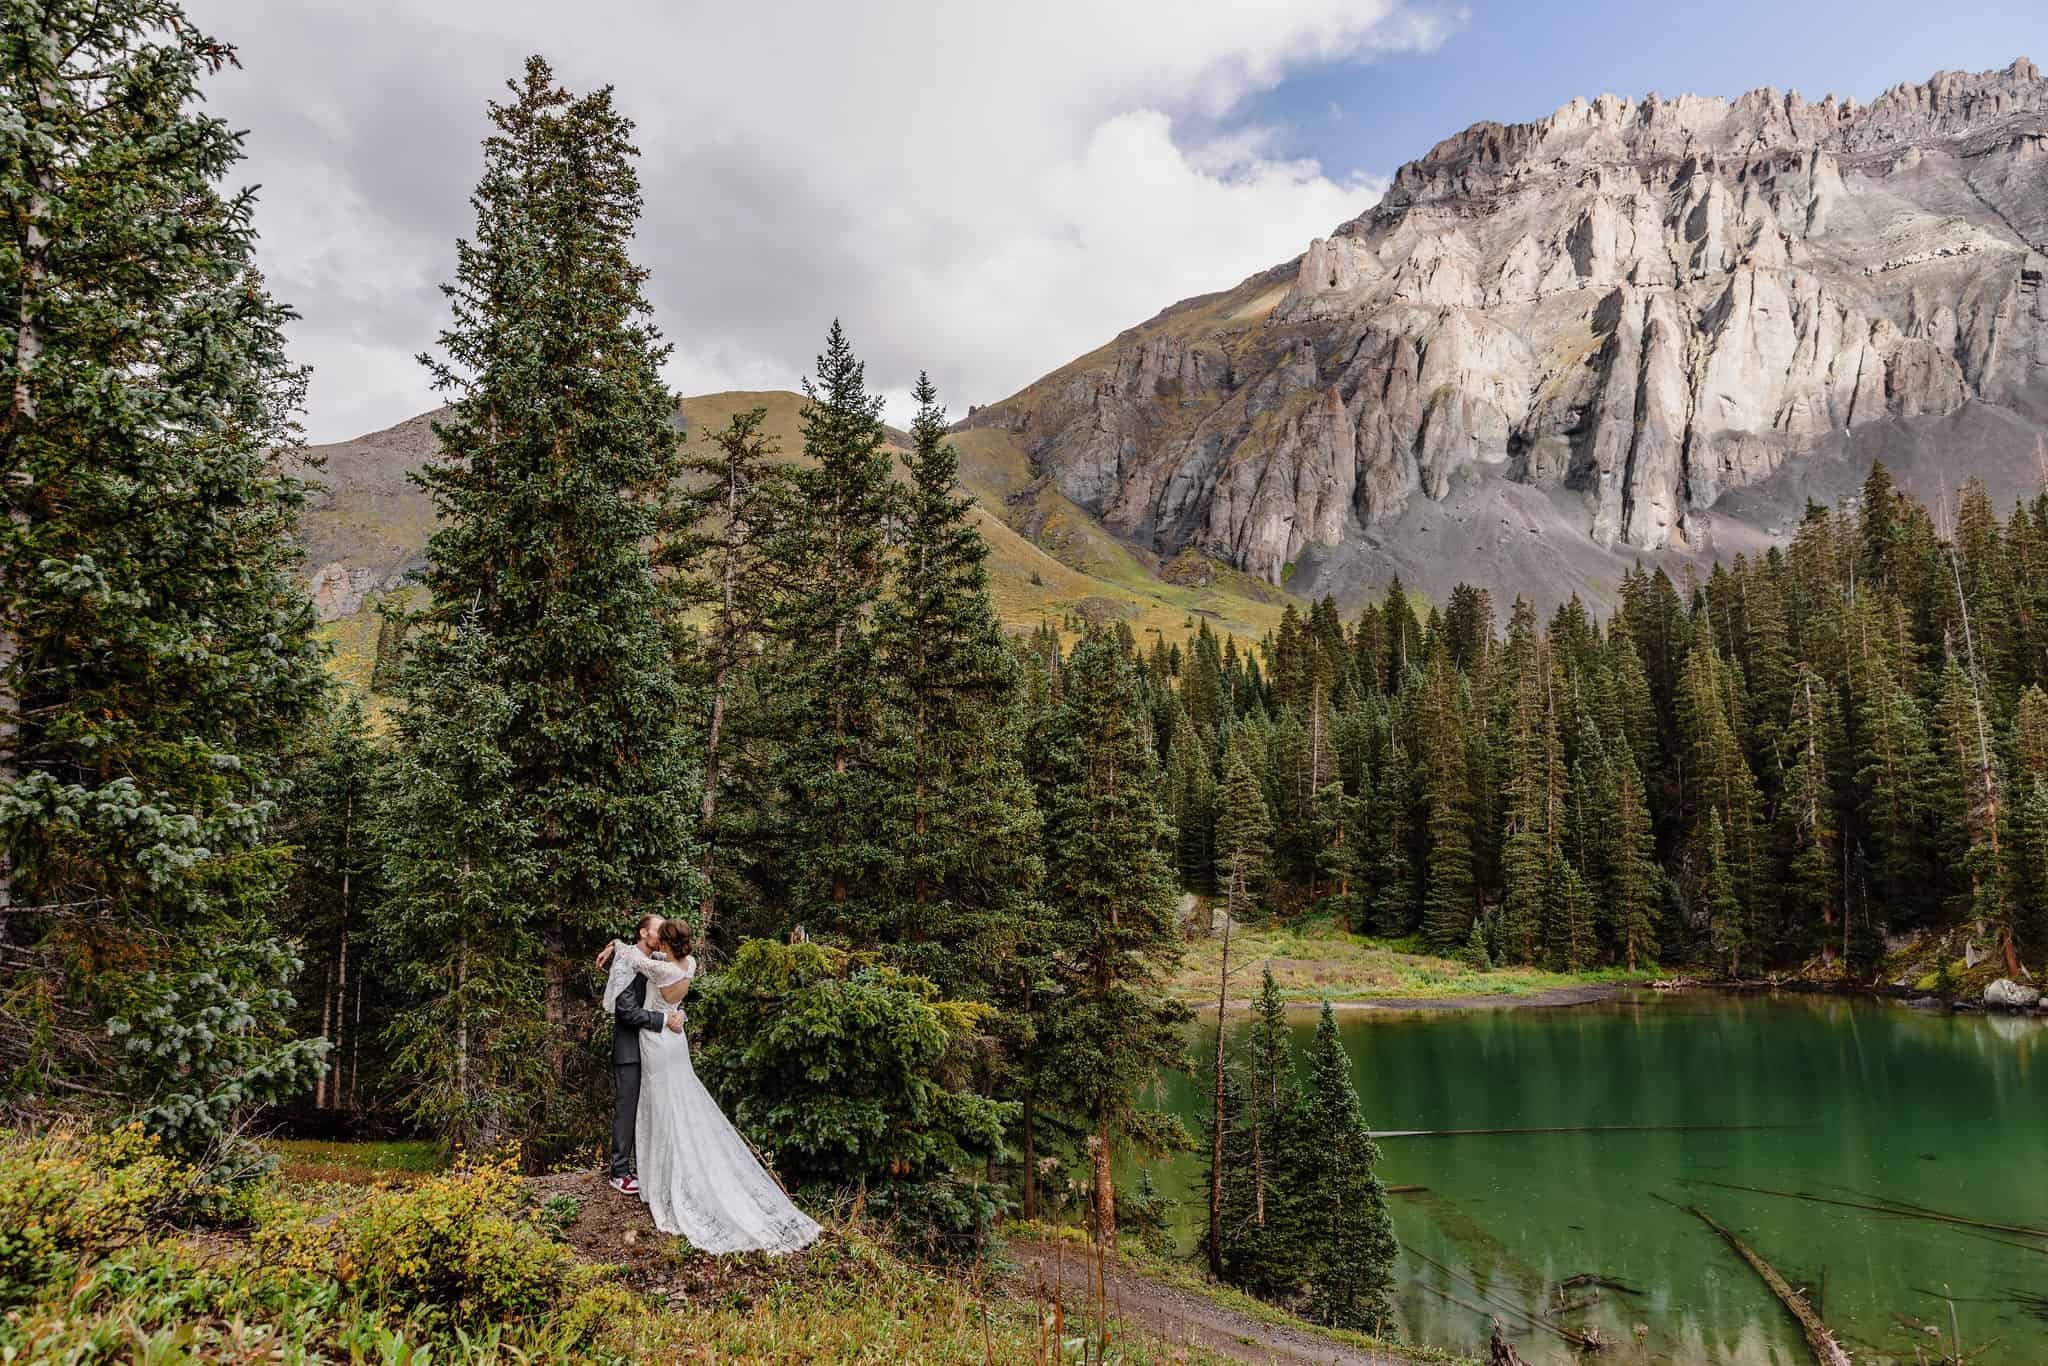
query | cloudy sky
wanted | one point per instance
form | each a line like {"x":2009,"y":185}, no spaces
{"x":984,"y":190}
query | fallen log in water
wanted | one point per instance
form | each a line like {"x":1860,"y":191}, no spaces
{"x":1494,"y":1305}
{"x":1897,"y":1209}
{"x":1606,"y":1282}
{"x":1819,"y":1338}
{"x":1586,"y":1129}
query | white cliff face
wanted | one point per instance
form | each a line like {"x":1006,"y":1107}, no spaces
{"x":1648,"y":304}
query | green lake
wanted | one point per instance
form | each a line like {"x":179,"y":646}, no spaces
{"x":1863,"y":1102}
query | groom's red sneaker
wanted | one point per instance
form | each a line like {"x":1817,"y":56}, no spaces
{"x":625,"y":1185}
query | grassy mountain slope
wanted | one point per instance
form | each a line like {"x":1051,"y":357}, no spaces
{"x":1049,"y":561}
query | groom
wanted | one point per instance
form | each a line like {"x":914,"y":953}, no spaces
{"x":629,"y":1016}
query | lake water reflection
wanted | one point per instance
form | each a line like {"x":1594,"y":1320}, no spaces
{"x":1856,"y":1101}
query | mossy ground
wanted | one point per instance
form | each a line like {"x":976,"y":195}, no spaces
{"x":1314,"y":959}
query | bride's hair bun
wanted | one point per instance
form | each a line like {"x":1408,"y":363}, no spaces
{"x":675,"y":936}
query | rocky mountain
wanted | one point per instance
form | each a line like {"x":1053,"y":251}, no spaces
{"x":1635,"y":329}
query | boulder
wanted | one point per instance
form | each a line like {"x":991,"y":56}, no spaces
{"x":2006,"y":994}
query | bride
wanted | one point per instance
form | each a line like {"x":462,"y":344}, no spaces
{"x":697,"y":1175}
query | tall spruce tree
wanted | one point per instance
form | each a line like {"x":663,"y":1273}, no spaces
{"x":558,"y":466}
{"x":957,"y":805}
{"x":1632,"y":876}
{"x":156,"y":653}
{"x":731,"y":512}
{"x":840,"y":872}
{"x":1110,"y":892}
{"x":1807,"y":827}
{"x":1244,"y":833}
{"x":1449,"y":896}
{"x":1533,"y":782}
{"x":1727,"y":923}
{"x":1343,"y":1203}
{"x":333,"y":820}
{"x":1261,"y":1244}
{"x":462,"y":926}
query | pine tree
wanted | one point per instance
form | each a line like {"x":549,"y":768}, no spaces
{"x":558,"y":467}
{"x":1244,"y":832}
{"x":462,"y":924}
{"x":1807,"y":816}
{"x":1476,"y":955}
{"x":1390,"y":838}
{"x":1892,"y":766}
{"x":1449,"y":901}
{"x":2026,"y":842}
{"x":1533,"y":782}
{"x":834,"y":556}
{"x":1261,"y":1249}
{"x":1972,"y":781}
{"x":1727,"y":926}
{"x":1403,"y":636}
{"x":736,"y":496}
{"x":157,"y":662}
{"x":2026,"y":868}
{"x":334,"y":889}
{"x":1567,"y":918}
{"x":1110,"y":892}
{"x":1344,"y":1204}
{"x":1191,"y":801}
{"x":956,"y":805}
{"x":1632,"y":876}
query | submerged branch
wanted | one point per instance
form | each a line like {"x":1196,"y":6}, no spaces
{"x":1819,"y":1338}
{"x":1585,"y":1129}
{"x":1896,"y":1209}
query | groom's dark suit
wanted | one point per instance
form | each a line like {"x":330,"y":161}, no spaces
{"x":630,"y":1016}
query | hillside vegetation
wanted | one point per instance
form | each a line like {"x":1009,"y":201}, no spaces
{"x":1050,"y":563}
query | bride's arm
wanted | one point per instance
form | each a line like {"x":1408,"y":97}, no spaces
{"x":636,"y":958}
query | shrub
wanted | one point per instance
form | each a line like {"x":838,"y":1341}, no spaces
{"x":848,"y":1071}
{"x":1148,"y":1214}
{"x":455,"y":1251}
{"x":557,"y":1213}
{"x":67,"y":1198}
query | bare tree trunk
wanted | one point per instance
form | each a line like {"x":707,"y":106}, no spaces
{"x":21,"y":412}
{"x":726,"y":636}
{"x":341,"y":1030}
{"x":355,"y":1049}
{"x":326,"y":1020}
{"x":556,"y":1001}
{"x":1216,"y":1115}
{"x":709,"y":806}
{"x":1030,"y":1156}
{"x":466,"y":1125}
{"x":1105,"y":1185}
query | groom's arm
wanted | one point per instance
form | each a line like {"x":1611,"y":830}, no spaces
{"x":631,"y":1016}
{"x":640,"y":1016}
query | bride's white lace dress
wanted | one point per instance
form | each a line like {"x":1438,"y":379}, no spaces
{"x":697,"y":1175}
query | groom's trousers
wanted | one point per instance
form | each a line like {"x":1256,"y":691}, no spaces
{"x":625,"y":1108}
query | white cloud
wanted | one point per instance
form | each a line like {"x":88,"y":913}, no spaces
{"x":981,"y":190}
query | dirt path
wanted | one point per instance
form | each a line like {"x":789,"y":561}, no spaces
{"x":1177,"y":1317}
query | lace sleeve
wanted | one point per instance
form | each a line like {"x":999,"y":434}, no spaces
{"x":620,"y":976}
{"x":628,"y":962}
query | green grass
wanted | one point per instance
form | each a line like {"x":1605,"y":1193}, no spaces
{"x":1314,"y":960}
{"x":333,"y":1272}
